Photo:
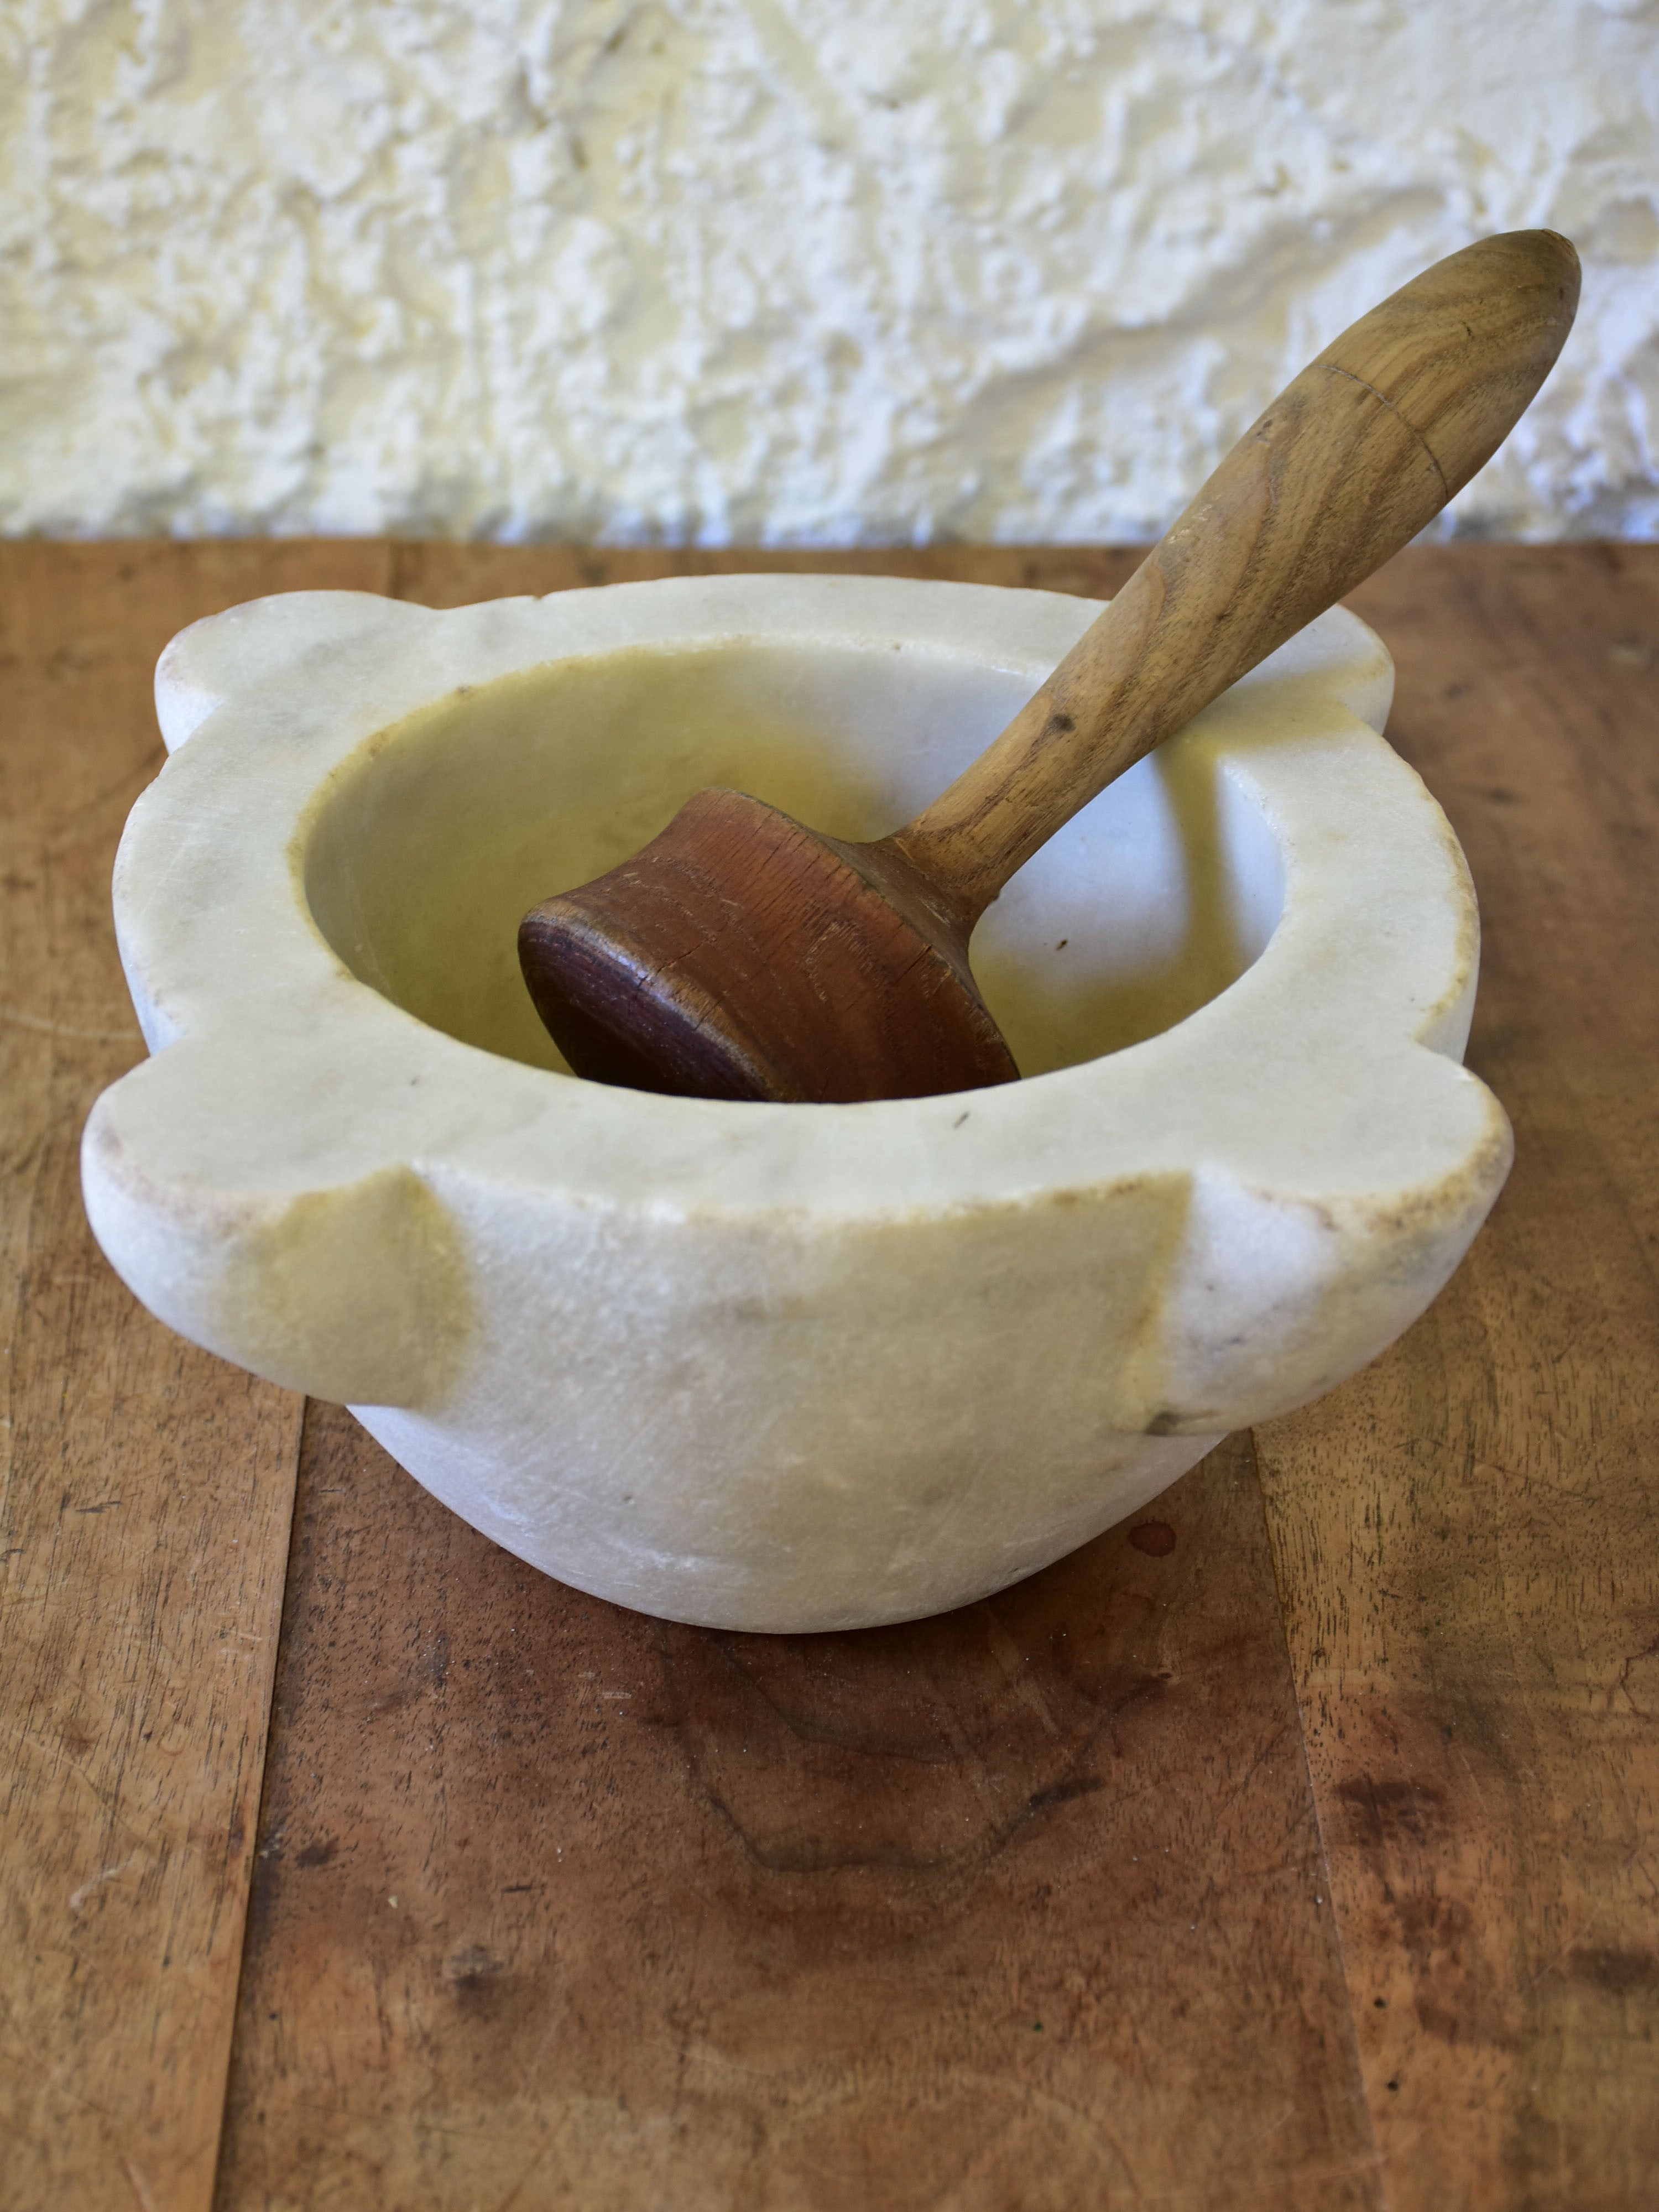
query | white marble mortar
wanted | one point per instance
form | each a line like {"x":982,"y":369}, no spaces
{"x":780,"y":1367}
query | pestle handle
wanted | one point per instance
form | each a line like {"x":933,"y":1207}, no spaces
{"x":1354,"y":457}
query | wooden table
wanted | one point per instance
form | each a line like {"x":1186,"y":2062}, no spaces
{"x":1297,"y":1847}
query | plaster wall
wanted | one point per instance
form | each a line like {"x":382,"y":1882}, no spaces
{"x":778,"y":272}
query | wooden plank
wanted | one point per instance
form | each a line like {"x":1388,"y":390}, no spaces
{"x":1467,"y":1536}
{"x":146,"y":1488}
{"x":558,"y":1905}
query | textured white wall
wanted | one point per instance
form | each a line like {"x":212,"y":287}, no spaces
{"x":778,"y":272}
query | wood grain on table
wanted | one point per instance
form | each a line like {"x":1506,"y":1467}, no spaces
{"x":1297,"y":1846}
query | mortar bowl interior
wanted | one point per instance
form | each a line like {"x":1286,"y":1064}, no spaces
{"x":423,"y":851}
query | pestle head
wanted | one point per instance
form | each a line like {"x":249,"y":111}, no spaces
{"x":741,"y":955}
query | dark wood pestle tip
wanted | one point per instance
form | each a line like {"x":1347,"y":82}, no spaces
{"x":740,"y":955}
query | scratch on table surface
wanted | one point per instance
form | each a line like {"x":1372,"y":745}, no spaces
{"x":140,"y":2187}
{"x":58,"y":1760}
{"x":78,"y":1897}
{"x":19,"y":1019}
{"x":1012,"y":1663}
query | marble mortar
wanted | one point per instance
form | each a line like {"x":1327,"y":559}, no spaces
{"x":780,"y":1367}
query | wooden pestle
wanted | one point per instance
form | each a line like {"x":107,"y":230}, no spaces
{"x":741,"y":955}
